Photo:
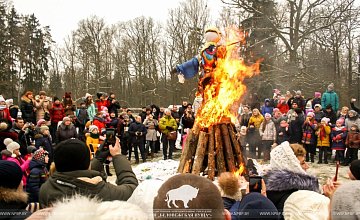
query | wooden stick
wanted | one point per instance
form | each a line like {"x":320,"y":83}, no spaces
{"x":187,"y":166}
{"x":189,"y":148}
{"x":228,"y":148}
{"x":220,"y":163}
{"x":200,"y":153}
{"x":211,"y":155}
{"x":237,"y":148}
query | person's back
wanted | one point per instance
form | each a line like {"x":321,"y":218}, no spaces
{"x":72,"y":163}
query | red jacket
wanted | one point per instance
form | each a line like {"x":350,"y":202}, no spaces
{"x":57,"y":113}
{"x":284,"y":108}
{"x":100,"y":123}
{"x":100,"y":103}
{"x":5,"y":115}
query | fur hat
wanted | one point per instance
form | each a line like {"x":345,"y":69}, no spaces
{"x":42,"y":93}
{"x":40,"y":155}
{"x":2,"y":98}
{"x":55,"y":98}
{"x":10,"y":174}
{"x":92,"y":128}
{"x":66,"y":119}
{"x":345,"y":202}
{"x":355,"y":169}
{"x":318,"y":105}
{"x":298,"y":92}
{"x":43,"y":128}
{"x":9,"y":102}
{"x":11,"y":147}
{"x":267,"y":115}
{"x":67,"y":95}
{"x":298,"y":206}
{"x":71,"y":155}
{"x":3,"y":126}
{"x":283,"y":157}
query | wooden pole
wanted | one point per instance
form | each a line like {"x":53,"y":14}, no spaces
{"x":211,"y":155}
{"x":189,"y":148}
{"x":220,"y":163}
{"x":200,"y":152}
{"x":237,"y":148}
{"x":228,"y":148}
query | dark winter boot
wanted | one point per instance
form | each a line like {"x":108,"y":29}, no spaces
{"x":307,"y":157}
{"x":152,"y":155}
{"x":312,"y":158}
{"x":107,"y":169}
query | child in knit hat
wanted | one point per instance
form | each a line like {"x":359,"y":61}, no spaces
{"x":352,"y":143}
{"x":92,"y":139}
{"x":38,"y":174}
{"x":43,"y":139}
{"x":323,"y":139}
{"x":338,"y":137}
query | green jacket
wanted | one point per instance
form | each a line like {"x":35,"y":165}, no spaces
{"x":167,"y":121}
{"x":330,"y":97}
{"x":93,"y":183}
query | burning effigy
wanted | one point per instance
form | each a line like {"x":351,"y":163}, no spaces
{"x":211,"y":146}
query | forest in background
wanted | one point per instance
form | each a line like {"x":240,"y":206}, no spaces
{"x":305,"y":46}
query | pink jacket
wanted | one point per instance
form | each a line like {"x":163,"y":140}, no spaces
{"x":24,"y":165}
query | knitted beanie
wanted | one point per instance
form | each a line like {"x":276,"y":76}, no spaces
{"x":92,"y":128}
{"x":11,"y":147}
{"x":43,"y":128}
{"x":282,"y":157}
{"x":40,"y":122}
{"x":71,"y":155}
{"x":10,"y":174}
{"x":7,"y":141}
{"x":306,"y":205}
{"x":40,"y":155}
{"x":345,"y":202}
{"x":355,"y":169}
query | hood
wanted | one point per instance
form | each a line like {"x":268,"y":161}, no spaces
{"x":80,"y":178}
{"x":36,"y":164}
{"x":282,"y":180}
{"x":25,"y":99}
{"x":12,"y":199}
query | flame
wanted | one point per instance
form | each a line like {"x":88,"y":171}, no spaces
{"x":240,"y":170}
{"x":227,"y":87}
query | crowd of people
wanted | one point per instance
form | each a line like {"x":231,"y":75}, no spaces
{"x":53,"y":149}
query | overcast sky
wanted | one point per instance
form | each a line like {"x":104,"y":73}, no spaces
{"x":63,"y":15}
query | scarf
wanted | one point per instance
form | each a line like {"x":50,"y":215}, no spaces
{"x":95,"y":136}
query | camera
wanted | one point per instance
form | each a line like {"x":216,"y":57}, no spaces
{"x":110,"y":136}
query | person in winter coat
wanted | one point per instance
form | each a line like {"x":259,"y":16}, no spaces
{"x":167,"y":124}
{"x":309,"y":138}
{"x":38,"y":174}
{"x":92,"y":139}
{"x":323,"y":139}
{"x":57,"y":113}
{"x":330,"y":97}
{"x":27,"y":107}
{"x":75,"y":175}
{"x":122,"y":132}
{"x":42,"y":105}
{"x":99,"y":121}
{"x":13,"y":199}
{"x":82,"y":117}
{"x":66,"y":130}
{"x":253,"y":134}
{"x":268,"y":136}
{"x":352,"y":143}
{"x":282,"y":105}
{"x":150,"y":124}
{"x":69,"y":104}
{"x":344,"y":113}
{"x":137,"y":132}
{"x":113,"y":120}
{"x":12,"y":153}
{"x":295,"y":126}
{"x":43,"y":140}
{"x":267,"y":108}
{"x":282,"y":133}
{"x":13,"y":109}
{"x":245,"y":116}
{"x":316,"y":100}
{"x":352,"y":119}
{"x":287,"y":174}
{"x":330,"y":114}
{"x":319,"y":114}
{"x":90,"y":106}
{"x":114,"y":104}
{"x":102,"y":101}
{"x":5,"y":113}
{"x":338,"y":137}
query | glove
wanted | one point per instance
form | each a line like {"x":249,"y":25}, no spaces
{"x":338,"y":137}
{"x":169,"y":128}
{"x":102,"y":153}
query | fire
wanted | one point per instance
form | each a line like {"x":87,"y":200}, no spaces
{"x":227,"y":87}
{"x":240,"y":170}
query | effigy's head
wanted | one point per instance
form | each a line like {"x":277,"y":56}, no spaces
{"x":212,"y":34}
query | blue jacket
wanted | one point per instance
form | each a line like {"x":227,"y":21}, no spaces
{"x":330,"y":97}
{"x":37,"y":176}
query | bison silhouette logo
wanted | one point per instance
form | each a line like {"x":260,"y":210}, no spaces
{"x":184,"y":193}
